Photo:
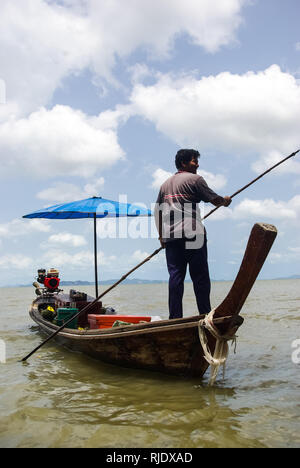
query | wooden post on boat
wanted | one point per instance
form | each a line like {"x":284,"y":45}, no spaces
{"x":259,"y":244}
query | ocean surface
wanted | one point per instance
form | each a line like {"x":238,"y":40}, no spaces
{"x":64,"y":399}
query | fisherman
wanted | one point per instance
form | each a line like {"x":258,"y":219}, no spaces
{"x":181,"y":232}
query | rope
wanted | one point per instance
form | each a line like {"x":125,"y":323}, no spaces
{"x":221,"y":349}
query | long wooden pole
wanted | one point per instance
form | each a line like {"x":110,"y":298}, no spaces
{"x":85,"y":309}
{"x":253,"y":181}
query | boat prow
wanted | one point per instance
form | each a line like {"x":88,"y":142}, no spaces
{"x":169,"y":346}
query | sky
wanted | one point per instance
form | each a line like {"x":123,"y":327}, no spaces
{"x":96,"y":98}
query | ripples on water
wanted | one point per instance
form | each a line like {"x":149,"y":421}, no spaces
{"x":64,"y":399}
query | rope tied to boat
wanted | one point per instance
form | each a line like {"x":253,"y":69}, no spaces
{"x":221,"y":349}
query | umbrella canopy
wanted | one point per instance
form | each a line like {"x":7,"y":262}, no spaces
{"x":89,"y":208}
{"x":94,"y":207}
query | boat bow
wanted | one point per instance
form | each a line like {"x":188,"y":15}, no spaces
{"x":259,"y":245}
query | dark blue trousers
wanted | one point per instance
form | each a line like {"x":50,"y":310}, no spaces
{"x":178,"y":257}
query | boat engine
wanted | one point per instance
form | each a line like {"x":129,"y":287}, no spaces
{"x":49,"y":279}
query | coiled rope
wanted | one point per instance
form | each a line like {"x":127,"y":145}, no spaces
{"x":221,"y":349}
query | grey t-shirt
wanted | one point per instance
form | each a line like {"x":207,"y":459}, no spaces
{"x":177,"y":213}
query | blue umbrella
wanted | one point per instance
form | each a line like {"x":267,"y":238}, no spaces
{"x":94,"y":207}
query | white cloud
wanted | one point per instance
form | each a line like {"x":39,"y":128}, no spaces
{"x":215,"y":181}
{"x":139,"y":72}
{"x":273,"y":157}
{"x":123,"y":27}
{"x":268,"y":208}
{"x":66,"y":238}
{"x":18,"y":227}
{"x":63,"y":192}
{"x":81,"y":260}
{"x":275,"y":257}
{"x":15,"y":262}
{"x":159,"y":177}
{"x":261,"y":210}
{"x":47,"y":41}
{"x":297,"y":46}
{"x":254,"y":113}
{"x":289,"y":255}
{"x":56,"y":142}
{"x":2,"y":91}
{"x":112,"y":119}
{"x":138,"y":256}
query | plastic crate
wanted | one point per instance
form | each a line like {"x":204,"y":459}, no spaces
{"x":97,"y":322}
{"x":64,"y":314}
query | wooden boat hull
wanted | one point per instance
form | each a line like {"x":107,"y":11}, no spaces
{"x":169,"y":346}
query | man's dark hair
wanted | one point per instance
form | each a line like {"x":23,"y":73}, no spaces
{"x":185,"y":156}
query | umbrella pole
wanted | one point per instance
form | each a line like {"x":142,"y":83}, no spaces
{"x":95,"y":253}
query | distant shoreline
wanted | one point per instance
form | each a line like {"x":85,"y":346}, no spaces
{"x":137,"y":281}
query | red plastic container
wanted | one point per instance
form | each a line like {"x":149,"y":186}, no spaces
{"x":107,"y":321}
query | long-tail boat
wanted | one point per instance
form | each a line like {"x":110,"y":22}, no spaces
{"x":169,"y":346}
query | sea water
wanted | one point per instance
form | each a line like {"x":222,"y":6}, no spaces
{"x":65,"y":399}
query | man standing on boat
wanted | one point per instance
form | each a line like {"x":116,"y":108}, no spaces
{"x":181,"y":232}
